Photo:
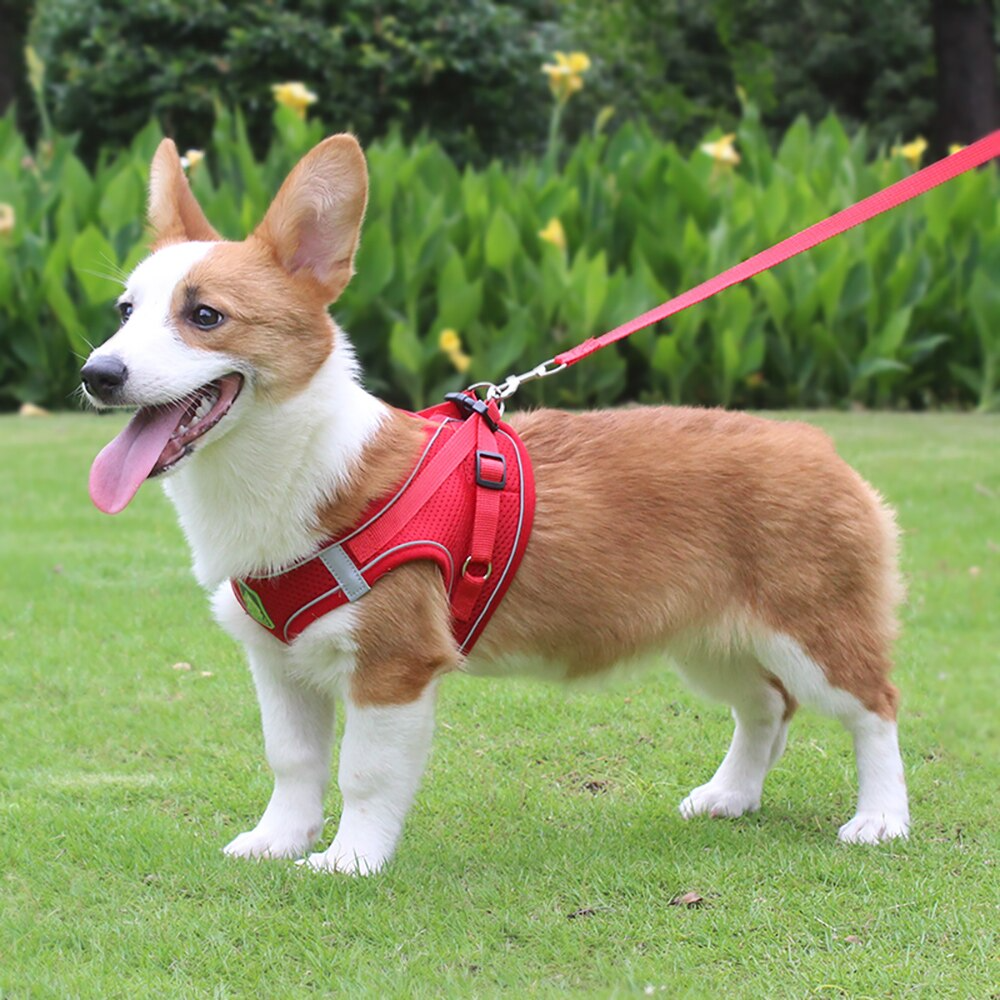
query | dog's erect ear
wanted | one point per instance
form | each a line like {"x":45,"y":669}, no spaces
{"x":314,"y":221}
{"x":173,"y":211}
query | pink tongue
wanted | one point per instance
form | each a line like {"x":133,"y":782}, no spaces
{"x":123,"y":464}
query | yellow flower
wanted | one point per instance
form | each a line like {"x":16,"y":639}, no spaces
{"x":7,"y":218}
{"x":554,"y":233}
{"x":294,"y":95}
{"x":912,"y":151}
{"x":954,"y":148}
{"x":449,"y":341}
{"x":451,"y":344}
{"x":566,"y":74}
{"x":191,"y":159}
{"x":722,"y":150}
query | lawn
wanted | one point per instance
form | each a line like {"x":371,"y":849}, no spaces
{"x":545,"y":851}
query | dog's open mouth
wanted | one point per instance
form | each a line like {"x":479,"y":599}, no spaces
{"x":155,"y":440}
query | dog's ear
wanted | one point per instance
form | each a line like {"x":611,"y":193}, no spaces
{"x":174,"y":213}
{"x":314,"y":222}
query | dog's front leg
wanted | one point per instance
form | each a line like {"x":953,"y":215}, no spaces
{"x":382,"y":760}
{"x":298,"y":732}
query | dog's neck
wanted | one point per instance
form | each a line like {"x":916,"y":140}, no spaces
{"x":249,"y":502}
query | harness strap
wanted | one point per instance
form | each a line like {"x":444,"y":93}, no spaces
{"x":391,"y":522}
{"x":491,"y":477}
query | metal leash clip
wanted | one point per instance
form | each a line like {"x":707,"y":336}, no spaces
{"x":512,"y":383}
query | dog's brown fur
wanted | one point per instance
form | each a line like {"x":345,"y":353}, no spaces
{"x":655,"y":523}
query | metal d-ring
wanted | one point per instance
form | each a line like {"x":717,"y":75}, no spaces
{"x":484,"y":577}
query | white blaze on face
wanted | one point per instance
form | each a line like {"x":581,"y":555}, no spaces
{"x":166,"y":378}
{"x":161,"y":367}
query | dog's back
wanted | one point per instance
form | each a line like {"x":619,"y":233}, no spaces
{"x":653,"y":522}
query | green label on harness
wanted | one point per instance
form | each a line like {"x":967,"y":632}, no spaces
{"x":254,"y":607}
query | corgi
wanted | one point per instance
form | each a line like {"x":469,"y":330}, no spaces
{"x":742,"y":549}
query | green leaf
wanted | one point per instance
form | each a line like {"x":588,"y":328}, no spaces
{"x":459,"y":300}
{"x":774,"y":296}
{"x":62,"y":306}
{"x":123,"y":200}
{"x":894,"y":333}
{"x":76,"y":186}
{"x":832,"y":280}
{"x":405,"y":348}
{"x":506,"y":347}
{"x":731,"y":342}
{"x":856,"y":290}
{"x":6,"y":281}
{"x":595,"y":291}
{"x":771,"y":210}
{"x":793,"y":153}
{"x":691,"y":190}
{"x":969,"y":377}
{"x":92,"y":258}
{"x":878,"y":366}
{"x":666,"y":358}
{"x":984,"y":305}
{"x":921,"y":348}
{"x":502,"y":240}
{"x":375,"y":263}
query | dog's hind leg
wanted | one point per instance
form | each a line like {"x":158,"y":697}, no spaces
{"x":870,"y":716}
{"x":761,"y":709}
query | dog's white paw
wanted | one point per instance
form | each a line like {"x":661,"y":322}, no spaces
{"x":719,"y":801}
{"x":874,"y":828}
{"x":346,"y":859}
{"x":270,"y":842}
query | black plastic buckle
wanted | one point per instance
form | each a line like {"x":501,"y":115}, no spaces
{"x":490,"y":484}
{"x":473,"y":404}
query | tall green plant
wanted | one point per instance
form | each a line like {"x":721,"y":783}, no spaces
{"x":465,"y":275}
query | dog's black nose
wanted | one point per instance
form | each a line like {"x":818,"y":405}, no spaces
{"x":103,"y":377}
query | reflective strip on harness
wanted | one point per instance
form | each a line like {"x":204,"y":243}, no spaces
{"x":467,"y":506}
{"x":343,"y":570}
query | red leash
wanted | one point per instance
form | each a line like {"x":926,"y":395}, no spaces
{"x":980,"y":152}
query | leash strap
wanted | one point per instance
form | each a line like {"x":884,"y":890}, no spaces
{"x":975,"y":155}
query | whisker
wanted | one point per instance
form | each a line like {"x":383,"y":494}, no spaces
{"x":116,"y":269}
{"x":79,"y":395}
{"x":113,"y":278}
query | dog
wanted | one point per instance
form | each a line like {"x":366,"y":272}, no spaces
{"x":743,"y":549}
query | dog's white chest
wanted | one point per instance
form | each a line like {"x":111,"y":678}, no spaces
{"x":323,"y":656}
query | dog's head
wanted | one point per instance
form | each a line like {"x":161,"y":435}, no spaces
{"x":207,"y":325}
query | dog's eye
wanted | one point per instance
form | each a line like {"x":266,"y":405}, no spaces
{"x":125,"y":311}
{"x":206,"y":317}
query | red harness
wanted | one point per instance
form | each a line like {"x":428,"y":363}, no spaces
{"x":467,"y":505}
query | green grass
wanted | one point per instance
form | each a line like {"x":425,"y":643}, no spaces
{"x":545,"y":848}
